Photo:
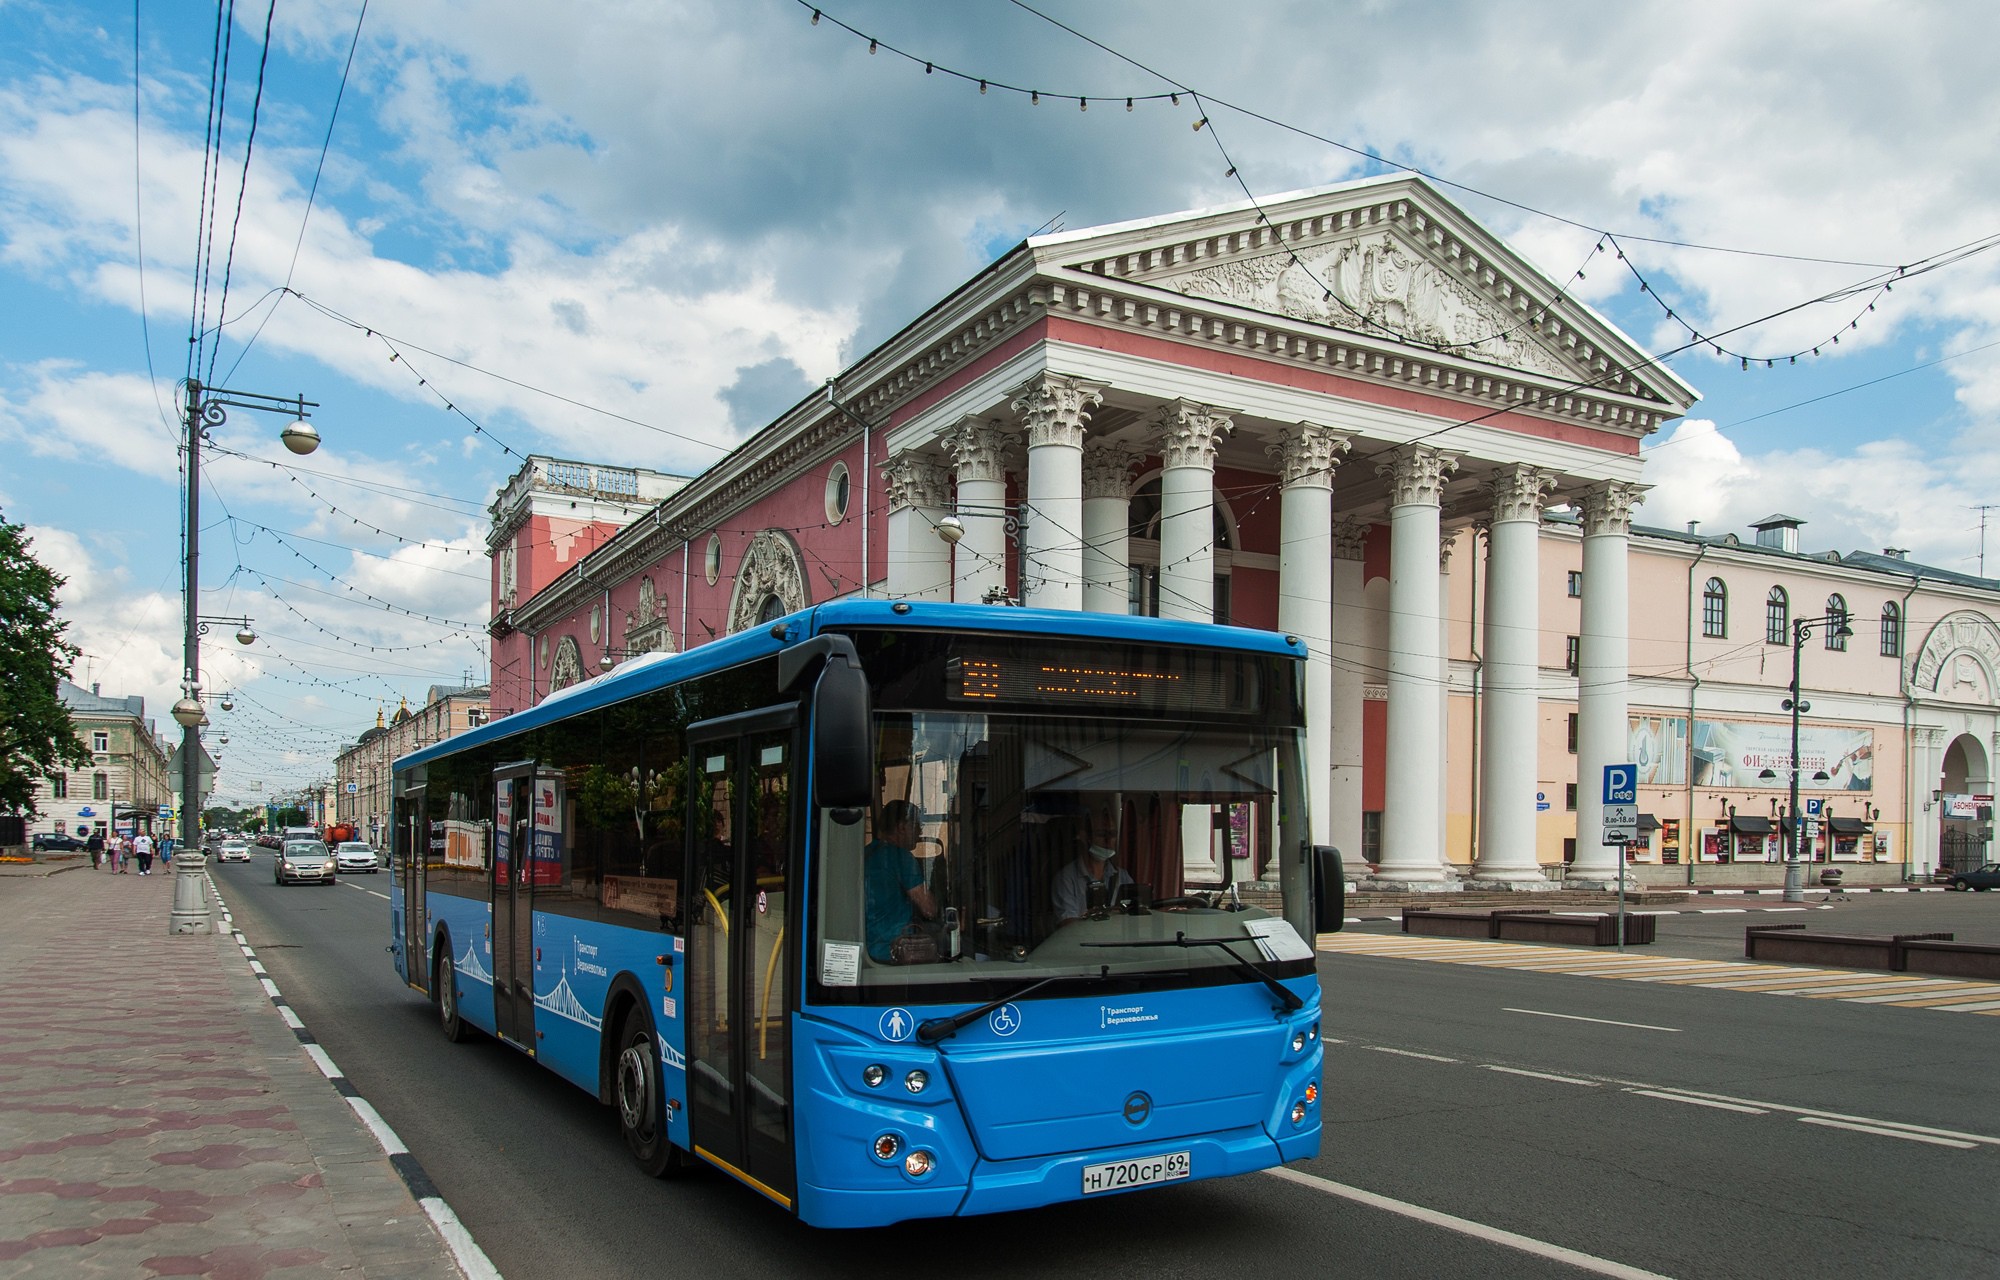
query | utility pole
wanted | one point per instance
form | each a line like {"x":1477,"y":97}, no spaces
{"x":1982,"y":509}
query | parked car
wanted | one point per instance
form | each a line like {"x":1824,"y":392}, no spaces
{"x":269,"y":840}
{"x":233,"y":851}
{"x":1980,"y":878}
{"x":356,"y":855}
{"x":304,"y":862}
{"x":56,"y":842}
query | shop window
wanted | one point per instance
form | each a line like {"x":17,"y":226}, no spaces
{"x":1892,"y":631}
{"x":1715,"y":610}
{"x":1777,"y":617}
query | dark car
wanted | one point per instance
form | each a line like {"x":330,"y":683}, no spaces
{"x":57,"y":842}
{"x":1980,"y":878}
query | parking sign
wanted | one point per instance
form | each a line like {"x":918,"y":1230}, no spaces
{"x":1621,"y":804}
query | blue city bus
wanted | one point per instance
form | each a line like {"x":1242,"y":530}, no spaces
{"x":896,"y":910}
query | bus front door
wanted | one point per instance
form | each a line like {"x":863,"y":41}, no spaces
{"x":408,"y":857}
{"x":739,"y":954}
{"x":513,"y":914}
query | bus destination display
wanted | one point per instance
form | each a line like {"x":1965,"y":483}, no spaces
{"x":1171,"y":683}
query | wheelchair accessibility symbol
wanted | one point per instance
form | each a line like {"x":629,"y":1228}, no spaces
{"x":1005,"y":1020}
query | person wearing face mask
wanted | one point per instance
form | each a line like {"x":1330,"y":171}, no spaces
{"x":1091,"y":867}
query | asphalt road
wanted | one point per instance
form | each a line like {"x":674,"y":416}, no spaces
{"x":1450,"y":1089}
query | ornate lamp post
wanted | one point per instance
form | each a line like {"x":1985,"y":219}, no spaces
{"x":1802,"y":629}
{"x":207,"y":407}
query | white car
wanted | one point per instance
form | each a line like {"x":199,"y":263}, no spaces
{"x":356,"y":855}
{"x":233,"y":851}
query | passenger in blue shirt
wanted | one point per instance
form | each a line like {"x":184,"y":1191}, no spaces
{"x":892,"y":881}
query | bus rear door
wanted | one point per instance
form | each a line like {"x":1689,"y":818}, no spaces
{"x":513,"y":913}
{"x":738,"y":953}
{"x":408,"y":860}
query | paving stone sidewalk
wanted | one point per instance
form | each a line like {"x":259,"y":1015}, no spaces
{"x":158,"y":1118}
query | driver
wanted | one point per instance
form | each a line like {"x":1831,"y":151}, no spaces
{"x":1092,"y":866}
{"x":892,"y":881}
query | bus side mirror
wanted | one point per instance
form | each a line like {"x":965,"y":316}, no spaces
{"x":1329,"y":889}
{"x":843,"y":773}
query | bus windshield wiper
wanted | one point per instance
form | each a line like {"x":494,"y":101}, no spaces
{"x":932,"y":1030}
{"x":1286,"y":995}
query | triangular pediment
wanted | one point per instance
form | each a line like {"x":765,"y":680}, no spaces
{"x":1379,"y":261}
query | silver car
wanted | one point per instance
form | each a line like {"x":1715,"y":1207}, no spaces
{"x":356,"y":855}
{"x":233,"y":851}
{"x":305,"y":862}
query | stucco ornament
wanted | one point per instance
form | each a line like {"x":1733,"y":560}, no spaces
{"x":568,"y":667}
{"x":647,"y":629}
{"x":1377,"y":284}
{"x":1959,"y":658}
{"x":772,"y":566}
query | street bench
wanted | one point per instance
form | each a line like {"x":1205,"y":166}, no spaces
{"x":1795,"y":944}
{"x":1528,"y":924}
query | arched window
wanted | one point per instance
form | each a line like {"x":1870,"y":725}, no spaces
{"x":1892,"y":631}
{"x":771,"y":610}
{"x":1836,"y":623}
{"x":1777,"y":617}
{"x":1715,"y":610}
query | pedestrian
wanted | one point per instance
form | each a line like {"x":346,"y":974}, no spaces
{"x":167,"y":852}
{"x":142,"y":848}
{"x":96,"y":846}
{"x":120,"y":849}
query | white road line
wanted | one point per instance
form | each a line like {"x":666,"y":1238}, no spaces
{"x":1899,"y":1126}
{"x":1465,"y":1226}
{"x":1699,"y":1102}
{"x":351,"y":885}
{"x":1539,"y":1075}
{"x":1574,"y":1017}
{"x":1408,"y":1053}
{"x":1723,"y":911}
{"x":1880,"y":1132}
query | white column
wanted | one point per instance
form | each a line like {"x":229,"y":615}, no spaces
{"x":1189,"y":434}
{"x":1307,"y":455}
{"x":1412,"y":842}
{"x":919,"y":560}
{"x":1349,"y":663}
{"x":978,"y":448}
{"x":1509,"y":706}
{"x":1447,"y":541}
{"x":1056,"y":408}
{"x":1603,"y":735}
{"x":1107,"y":529}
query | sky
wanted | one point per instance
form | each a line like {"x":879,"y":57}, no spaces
{"x":635,"y":232}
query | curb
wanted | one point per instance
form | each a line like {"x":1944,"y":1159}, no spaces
{"x":465,"y":1251}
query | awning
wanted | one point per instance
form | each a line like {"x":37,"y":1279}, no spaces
{"x":1848,"y":826}
{"x":1750,"y":826}
{"x":1647,"y":822}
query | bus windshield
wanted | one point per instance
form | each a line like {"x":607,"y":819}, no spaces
{"x":1007,"y":848}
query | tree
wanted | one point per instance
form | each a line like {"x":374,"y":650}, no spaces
{"x":37,"y":737}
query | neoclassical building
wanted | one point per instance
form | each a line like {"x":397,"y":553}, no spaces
{"x":1349,"y":414}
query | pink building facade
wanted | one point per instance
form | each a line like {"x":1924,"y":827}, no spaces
{"x":1349,"y":414}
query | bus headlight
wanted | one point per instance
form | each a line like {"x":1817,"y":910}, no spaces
{"x":887,"y":1145}
{"x":1298,"y":1041}
{"x":874,"y":1074}
{"x":916,"y":1080}
{"x":1298,"y":1112}
{"x":917,"y":1163}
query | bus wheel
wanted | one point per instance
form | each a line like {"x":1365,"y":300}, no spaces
{"x":641,"y":1098}
{"x":444,"y":988}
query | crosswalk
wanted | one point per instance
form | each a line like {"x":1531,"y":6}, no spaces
{"x":1908,"y":991}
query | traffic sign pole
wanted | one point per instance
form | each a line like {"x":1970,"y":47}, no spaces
{"x":1621,"y":823}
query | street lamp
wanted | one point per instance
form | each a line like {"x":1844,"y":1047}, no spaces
{"x":1802,"y":628}
{"x":208,"y":407}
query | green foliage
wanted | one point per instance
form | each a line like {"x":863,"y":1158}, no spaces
{"x":36,"y":735}
{"x":291,"y":816}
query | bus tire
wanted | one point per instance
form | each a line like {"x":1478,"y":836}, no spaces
{"x":639,"y":1094}
{"x":444,"y":990}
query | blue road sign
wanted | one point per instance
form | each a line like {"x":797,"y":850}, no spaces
{"x":1621,"y":784}
{"x":1815,"y":805}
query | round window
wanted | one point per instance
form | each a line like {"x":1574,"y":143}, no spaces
{"x":711,"y":560}
{"x":545,"y":651}
{"x":838,"y":485}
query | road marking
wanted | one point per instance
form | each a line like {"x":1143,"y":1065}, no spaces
{"x":1465,"y":1226}
{"x":1408,"y":1053}
{"x":324,"y":1062}
{"x":1899,"y":1126}
{"x":1539,"y":1075}
{"x":1699,"y":1102}
{"x":1724,"y":911}
{"x":1577,"y":1017}
{"x":351,"y":885}
{"x":1880,"y":1132}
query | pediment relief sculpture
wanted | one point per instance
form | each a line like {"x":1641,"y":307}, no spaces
{"x":1377,"y":284}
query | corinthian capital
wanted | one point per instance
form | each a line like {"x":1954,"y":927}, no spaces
{"x":1416,"y":475}
{"x":1057,"y":407}
{"x":1307,"y":454}
{"x":1107,"y":472}
{"x":979,"y":448}
{"x":1189,"y":433}
{"x":915,"y":480}
{"x":1350,"y":539}
{"x":1518,"y":492}
{"x":1607,"y":507}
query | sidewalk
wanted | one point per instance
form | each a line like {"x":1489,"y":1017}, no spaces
{"x":157,"y":1116}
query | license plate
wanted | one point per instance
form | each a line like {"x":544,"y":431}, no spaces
{"x":1119,"y":1175}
